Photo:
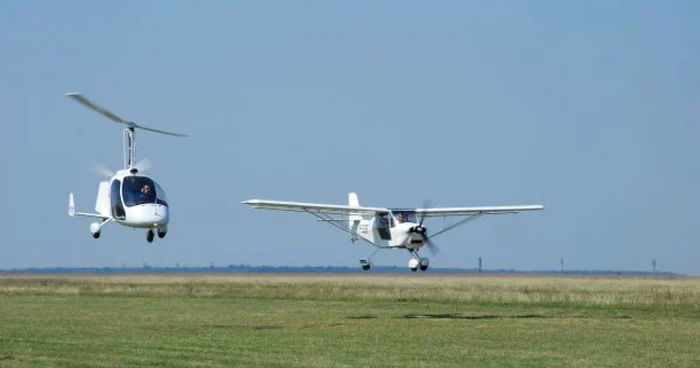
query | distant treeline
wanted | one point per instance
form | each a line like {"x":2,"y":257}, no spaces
{"x":306,"y":269}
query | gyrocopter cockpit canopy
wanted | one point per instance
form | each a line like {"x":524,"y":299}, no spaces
{"x":138,"y":190}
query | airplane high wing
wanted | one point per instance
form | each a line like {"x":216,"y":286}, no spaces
{"x":389,"y":228}
{"x":466,"y":211}
{"x":353,"y":210}
{"x":313,"y":207}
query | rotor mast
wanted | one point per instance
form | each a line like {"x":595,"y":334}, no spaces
{"x":129,"y":147}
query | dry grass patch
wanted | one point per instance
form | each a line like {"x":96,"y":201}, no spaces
{"x":588,"y":291}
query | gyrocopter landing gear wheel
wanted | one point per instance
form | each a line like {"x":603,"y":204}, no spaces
{"x":95,"y":230}
{"x":150,"y":235}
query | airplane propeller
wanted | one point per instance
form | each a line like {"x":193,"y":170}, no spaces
{"x":420,"y":229}
{"x":426,"y":204}
{"x":434,"y":250}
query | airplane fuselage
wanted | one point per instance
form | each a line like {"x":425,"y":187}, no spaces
{"x":397,"y":236}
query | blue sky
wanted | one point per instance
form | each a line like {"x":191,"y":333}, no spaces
{"x":590,"y":108}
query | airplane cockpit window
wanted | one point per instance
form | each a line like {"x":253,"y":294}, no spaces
{"x":138,"y":190}
{"x":382,"y":225}
{"x":404,"y":216}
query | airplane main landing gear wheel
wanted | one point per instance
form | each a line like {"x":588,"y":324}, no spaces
{"x":365,"y":264}
{"x":149,"y":236}
{"x":413,"y":264}
{"x":424,"y":263}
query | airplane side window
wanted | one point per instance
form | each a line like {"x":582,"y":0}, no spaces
{"x":383,"y":227}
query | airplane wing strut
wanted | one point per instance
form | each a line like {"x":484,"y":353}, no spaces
{"x":324,"y":217}
{"x":458,"y":224}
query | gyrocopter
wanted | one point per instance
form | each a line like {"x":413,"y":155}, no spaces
{"x":129,"y":197}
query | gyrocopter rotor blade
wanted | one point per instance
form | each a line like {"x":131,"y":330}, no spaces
{"x":83,"y":100}
{"x":111,"y":116}
{"x":160,"y":131}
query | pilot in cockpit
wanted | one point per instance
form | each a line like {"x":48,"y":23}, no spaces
{"x":146,"y":193}
{"x":399,"y":217}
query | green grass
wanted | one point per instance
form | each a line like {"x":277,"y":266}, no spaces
{"x":417,"y":320}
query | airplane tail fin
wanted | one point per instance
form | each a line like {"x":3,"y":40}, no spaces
{"x":353,"y":201}
{"x":354,"y":219}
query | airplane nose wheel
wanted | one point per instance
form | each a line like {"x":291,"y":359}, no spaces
{"x":413,"y":264}
{"x":417,"y":262}
{"x":149,"y":236}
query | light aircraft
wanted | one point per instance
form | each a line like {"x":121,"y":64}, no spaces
{"x":389,"y":228}
{"x":129,"y":197}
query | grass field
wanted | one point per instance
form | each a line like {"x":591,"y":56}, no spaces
{"x":417,"y":320}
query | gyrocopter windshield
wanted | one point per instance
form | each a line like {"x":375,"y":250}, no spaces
{"x":138,"y":190}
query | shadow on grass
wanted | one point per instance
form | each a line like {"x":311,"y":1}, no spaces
{"x":251,"y":327}
{"x":457,"y":316}
{"x":273,"y":327}
{"x":483,"y":317}
{"x":489,"y":316}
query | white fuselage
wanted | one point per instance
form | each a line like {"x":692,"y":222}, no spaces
{"x":396,"y":236}
{"x":146,"y":216}
{"x":122,"y":198}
